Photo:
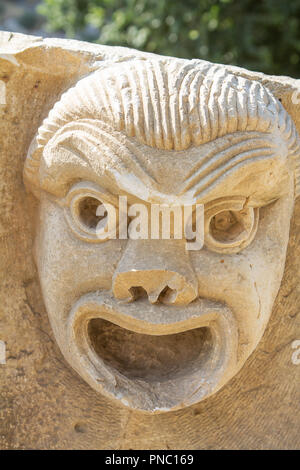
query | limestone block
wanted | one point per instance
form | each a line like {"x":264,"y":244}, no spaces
{"x":141,"y":343}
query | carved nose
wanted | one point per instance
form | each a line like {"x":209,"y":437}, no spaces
{"x":157,"y":269}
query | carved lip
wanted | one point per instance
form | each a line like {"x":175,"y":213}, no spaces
{"x":190,"y":382}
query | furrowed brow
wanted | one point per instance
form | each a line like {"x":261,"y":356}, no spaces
{"x":84,"y":150}
{"x":216,"y":166}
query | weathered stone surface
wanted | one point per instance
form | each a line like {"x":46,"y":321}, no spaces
{"x":44,"y":403}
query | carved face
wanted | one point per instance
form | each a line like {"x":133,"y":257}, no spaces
{"x":145,"y":321}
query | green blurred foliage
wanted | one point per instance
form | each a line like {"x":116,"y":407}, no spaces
{"x":262,"y":35}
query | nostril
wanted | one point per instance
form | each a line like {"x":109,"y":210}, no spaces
{"x":155,"y":286}
{"x":138,"y":292}
{"x":167,"y":295}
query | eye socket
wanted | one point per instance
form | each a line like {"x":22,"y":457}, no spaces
{"x":226,"y":226}
{"x":86,"y":213}
{"x":229,"y":227}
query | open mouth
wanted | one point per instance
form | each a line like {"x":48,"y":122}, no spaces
{"x":152,"y":357}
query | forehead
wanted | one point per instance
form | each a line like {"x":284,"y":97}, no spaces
{"x":249,"y":164}
{"x":184,"y":109}
{"x":201,"y":166}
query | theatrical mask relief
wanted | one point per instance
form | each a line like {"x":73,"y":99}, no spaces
{"x":146,"y":321}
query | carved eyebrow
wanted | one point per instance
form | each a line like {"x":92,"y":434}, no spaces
{"x":93,"y":150}
{"x":97,"y":151}
{"x":124,"y":152}
{"x":228,"y":143}
{"x":215,"y":167}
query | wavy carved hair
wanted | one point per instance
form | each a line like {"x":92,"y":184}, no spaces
{"x":168,"y":104}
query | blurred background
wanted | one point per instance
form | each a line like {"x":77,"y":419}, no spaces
{"x":260,"y":35}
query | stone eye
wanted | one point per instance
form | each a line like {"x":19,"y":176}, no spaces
{"x":88,"y":207}
{"x":229,"y":227}
{"x":226,"y":226}
{"x":87,"y":212}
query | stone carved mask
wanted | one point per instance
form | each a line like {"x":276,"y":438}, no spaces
{"x":147,"y":322}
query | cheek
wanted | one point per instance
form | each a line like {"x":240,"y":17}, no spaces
{"x":69,"y":267}
{"x":248,"y":282}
